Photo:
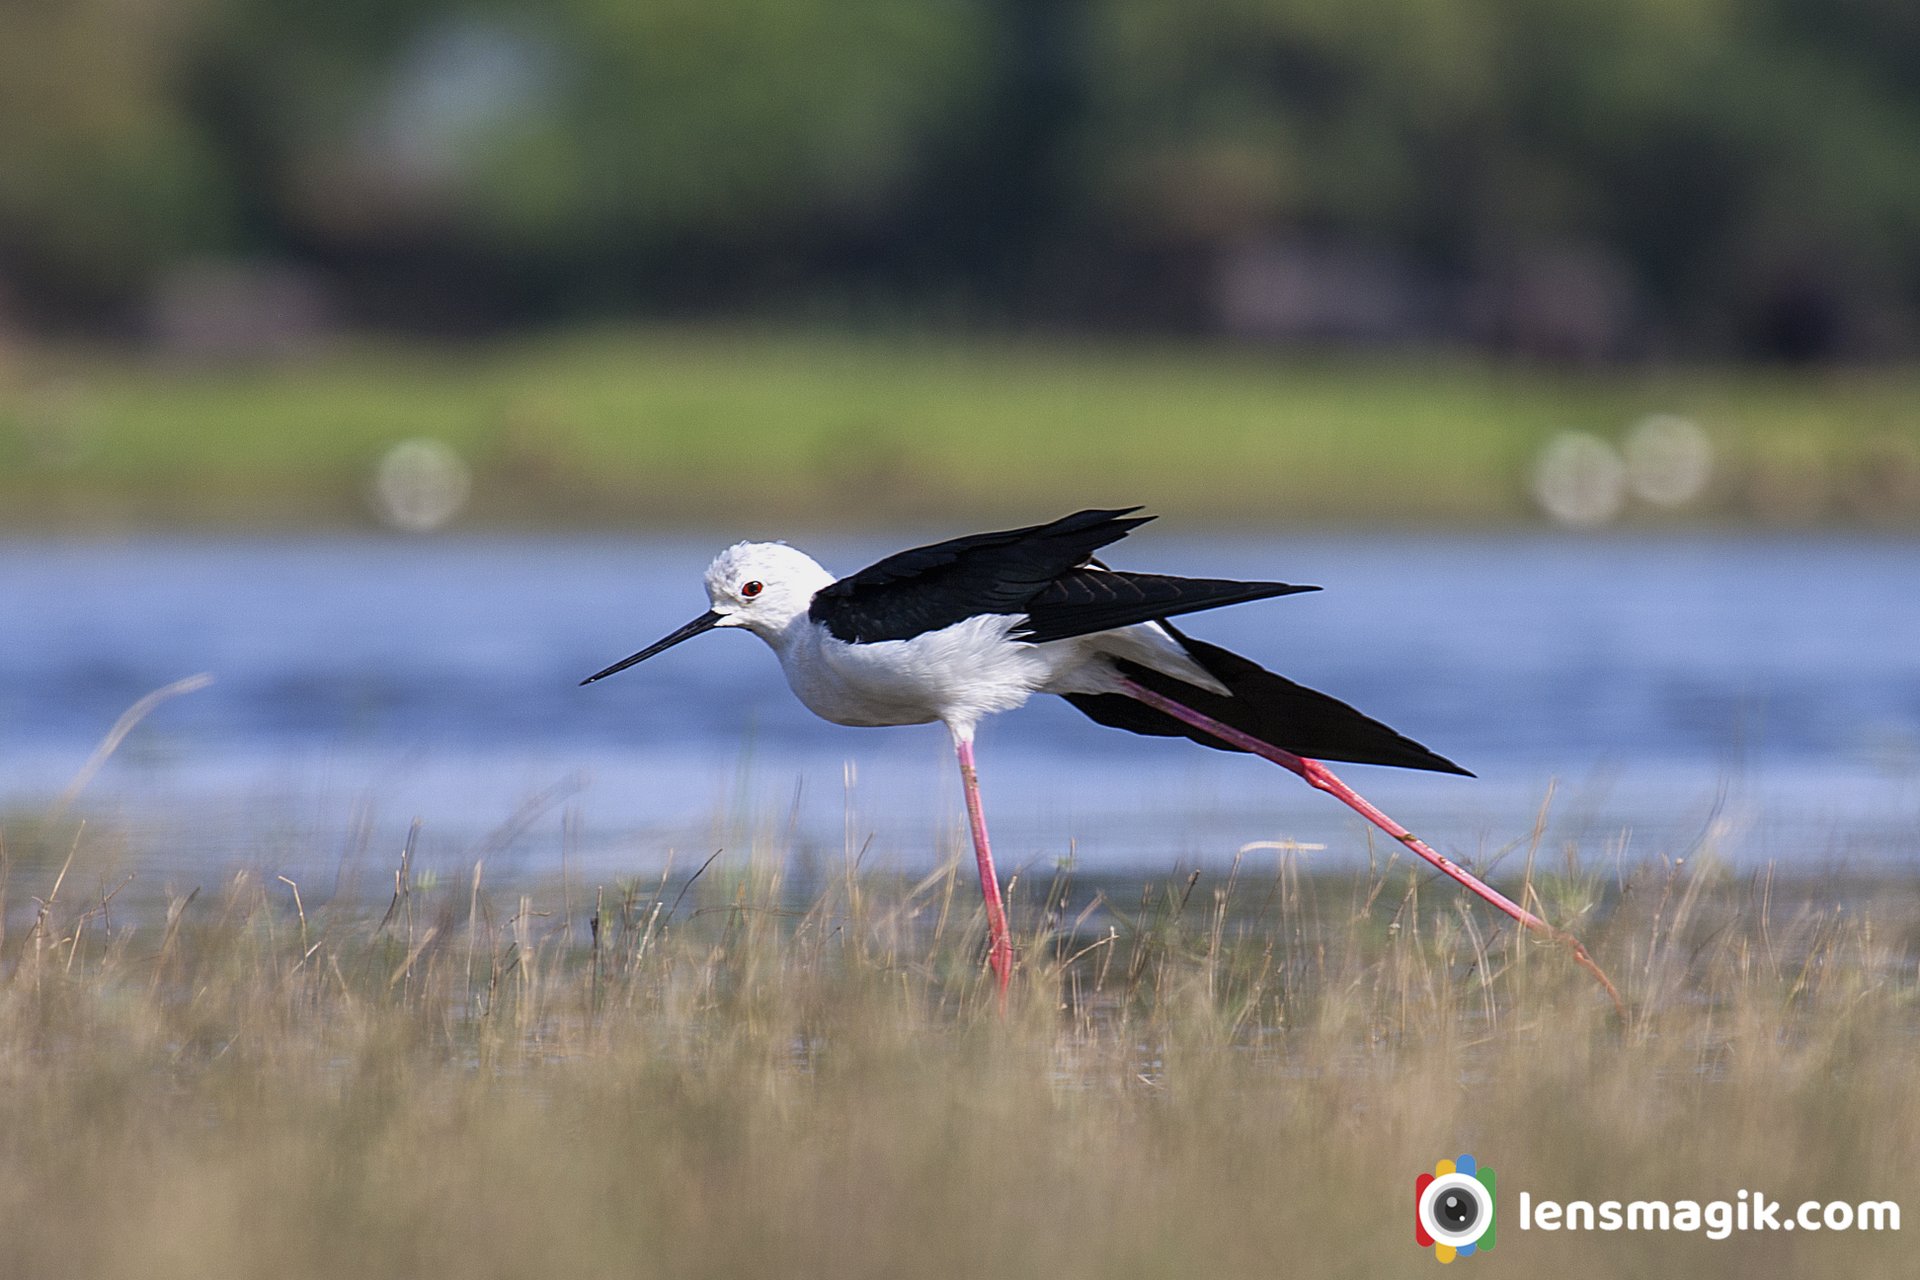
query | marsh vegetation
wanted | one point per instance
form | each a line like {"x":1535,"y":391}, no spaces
{"x":732,"y":1071}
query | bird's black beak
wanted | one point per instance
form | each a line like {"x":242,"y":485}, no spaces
{"x":705,"y":622}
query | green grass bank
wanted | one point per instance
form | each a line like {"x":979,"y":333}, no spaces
{"x":654,"y":428}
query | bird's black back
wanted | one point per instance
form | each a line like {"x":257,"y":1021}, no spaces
{"x":1043,"y":571}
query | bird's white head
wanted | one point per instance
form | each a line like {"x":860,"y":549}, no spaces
{"x":765,"y":587}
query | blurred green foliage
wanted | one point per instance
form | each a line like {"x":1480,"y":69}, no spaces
{"x":1751,"y":165}
{"x":104,"y":171}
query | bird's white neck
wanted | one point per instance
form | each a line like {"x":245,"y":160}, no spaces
{"x":781,"y":633}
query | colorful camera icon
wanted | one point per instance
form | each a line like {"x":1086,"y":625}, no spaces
{"x":1453,"y":1209}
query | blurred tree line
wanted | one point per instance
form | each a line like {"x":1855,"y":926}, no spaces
{"x":1588,"y":178}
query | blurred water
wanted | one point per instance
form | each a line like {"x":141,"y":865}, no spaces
{"x":1759,"y":695}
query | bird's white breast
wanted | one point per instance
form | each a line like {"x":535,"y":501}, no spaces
{"x":963,"y":672}
{"x":957,"y":674}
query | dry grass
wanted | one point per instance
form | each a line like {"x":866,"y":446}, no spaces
{"x":1234,"y":1076}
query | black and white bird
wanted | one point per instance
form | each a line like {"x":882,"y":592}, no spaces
{"x":959,"y":630}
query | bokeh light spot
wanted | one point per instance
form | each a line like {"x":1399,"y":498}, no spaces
{"x":1669,"y":460}
{"x":1580,"y":480}
{"x":420,"y":485}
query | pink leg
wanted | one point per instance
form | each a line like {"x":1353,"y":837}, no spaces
{"x":1322,"y":778}
{"x":999,"y":944}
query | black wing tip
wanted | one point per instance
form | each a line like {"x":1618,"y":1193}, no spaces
{"x":1092,"y":517}
{"x":1247,"y":590}
{"x":1434,"y":762}
{"x":1063,"y":618}
{"x":1419,"y":758}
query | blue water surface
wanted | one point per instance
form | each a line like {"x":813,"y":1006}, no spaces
{"x":1756,"y":699}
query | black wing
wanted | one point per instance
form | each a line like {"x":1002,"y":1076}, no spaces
{"x":1087,"y":600}
{"x":930,"y":587}
{"x":1270,"y":707}
{"x":1041,"y":571}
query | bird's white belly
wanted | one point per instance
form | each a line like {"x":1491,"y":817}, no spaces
{"x":957,"y":674}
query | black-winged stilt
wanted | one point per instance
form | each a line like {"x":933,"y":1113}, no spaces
{"x":959,"y":630}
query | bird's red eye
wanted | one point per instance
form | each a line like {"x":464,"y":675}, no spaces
{"x":751,"y":589}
